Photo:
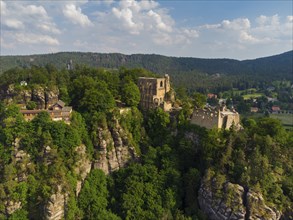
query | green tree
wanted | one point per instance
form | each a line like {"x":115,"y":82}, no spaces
{"x":199,"y":100}
{"x":97,"y":99}
{"x":93,"y":197}
{"x":130,"y":94}
{"x":157,"y":126}
{"x":31,"y":105}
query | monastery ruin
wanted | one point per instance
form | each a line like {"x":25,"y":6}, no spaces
{"x":217,"y":117}
{"x":155,"y":92}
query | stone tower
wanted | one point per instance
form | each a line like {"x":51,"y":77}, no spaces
{"x":153,"y":92}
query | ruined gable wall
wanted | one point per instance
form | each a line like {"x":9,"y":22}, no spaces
{"x":232,"y":118}
{"x":152,"y":91}
{"x":147,"y":88}
{"x":205,"y":118}
{"x":160,"y":89}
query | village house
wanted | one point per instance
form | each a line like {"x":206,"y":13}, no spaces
{"x":254,"y":109}
{"x":57,"y":112}
{"x":276,"y":109}
{"x":155,"y":92}
{"x":215,"y":117}
{"x":211,"y":95}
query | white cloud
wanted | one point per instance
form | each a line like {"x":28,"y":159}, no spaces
{"x":148,"y":5}
{"x":191,"y":33}
{"x":36,"y":39}
{"x":262,"y":20}
{"x":13,"y":23}
{"x":210,"y":26}
{"x":160,"y":25}
{"x":27,"y":17}
{"x":3,"y":8}
{"x":149,"y":20}
{"x":290,"y":18}
{"x":127,"y":18}
{"x":75,"y":15}
{"x":131,"y":26}
{"x":245,"y":37}
{"x":237,"y":24}
{"x":35,"y":10}
{"x":49,"y":27}
{"x":6,"y":45}
{"x":268,"y":21}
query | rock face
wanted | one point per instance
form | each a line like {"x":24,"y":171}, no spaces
{"x":114,"y":149}
{"x":231,"y":201}
{"x":83,"y":166}
{"x":21,"y":162}
{"x":51,"y":97}
{"x":54,"y":209}
{"x":43,"y":97}
{"x":11,"y":206}
{"x":258,"y":209}
{"x":217,"y":208}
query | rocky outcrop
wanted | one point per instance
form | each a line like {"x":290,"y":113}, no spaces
{"x":54,"y":208}
{"x":217,"y":207}
{"x":12,"y":93}
{"x":114,"y":149}
{"x":26,"y":96}
{"x":21,"y":162}
{"x":38,"y":96}
{"x":231,"y":201}
{"x":258,"y":209}
{"x":83,"y":166}
{"x":51,"y":97}
{"x":44,"y":97}
{"x":11,"y":206}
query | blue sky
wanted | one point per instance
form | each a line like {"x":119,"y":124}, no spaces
{"x":206,"y":29}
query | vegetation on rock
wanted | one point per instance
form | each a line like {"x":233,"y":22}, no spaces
{"x":161,"y":180}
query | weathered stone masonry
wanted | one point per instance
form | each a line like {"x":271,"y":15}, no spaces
{"x":154,"y":92}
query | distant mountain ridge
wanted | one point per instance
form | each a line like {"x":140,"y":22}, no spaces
{"x":194,"y":74}
{"x":279,"y":64}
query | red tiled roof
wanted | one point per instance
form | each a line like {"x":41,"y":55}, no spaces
{"x":276,"y":108}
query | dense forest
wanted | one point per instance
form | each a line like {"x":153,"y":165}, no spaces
{"x":172,"y":162}
{"x":212,"y":75}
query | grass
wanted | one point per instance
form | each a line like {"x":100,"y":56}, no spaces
{"x":253,"y":95}
{"x":286,"y":119}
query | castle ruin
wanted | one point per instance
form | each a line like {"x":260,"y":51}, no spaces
{"x":155,"y":92}
{"x":218,"y":117}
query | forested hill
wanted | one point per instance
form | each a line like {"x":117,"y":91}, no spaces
{"x":278,"y":64}
{"x":203,"y":75}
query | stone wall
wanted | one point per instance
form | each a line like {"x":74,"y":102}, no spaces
{"x":208,"y":118}
{"x":215,"y":118}
{"x":232,"y":119}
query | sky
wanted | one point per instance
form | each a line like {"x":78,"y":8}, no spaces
{"x":236,"y":29}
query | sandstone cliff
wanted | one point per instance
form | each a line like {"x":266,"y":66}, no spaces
{"x":232,"y":201}
{"x":114,"y":148}
{"x":54,"y":208}
{"x":17,"y":173}
{"x":43,"y":96}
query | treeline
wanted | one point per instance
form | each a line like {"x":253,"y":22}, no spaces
{"x":204,"y":74}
